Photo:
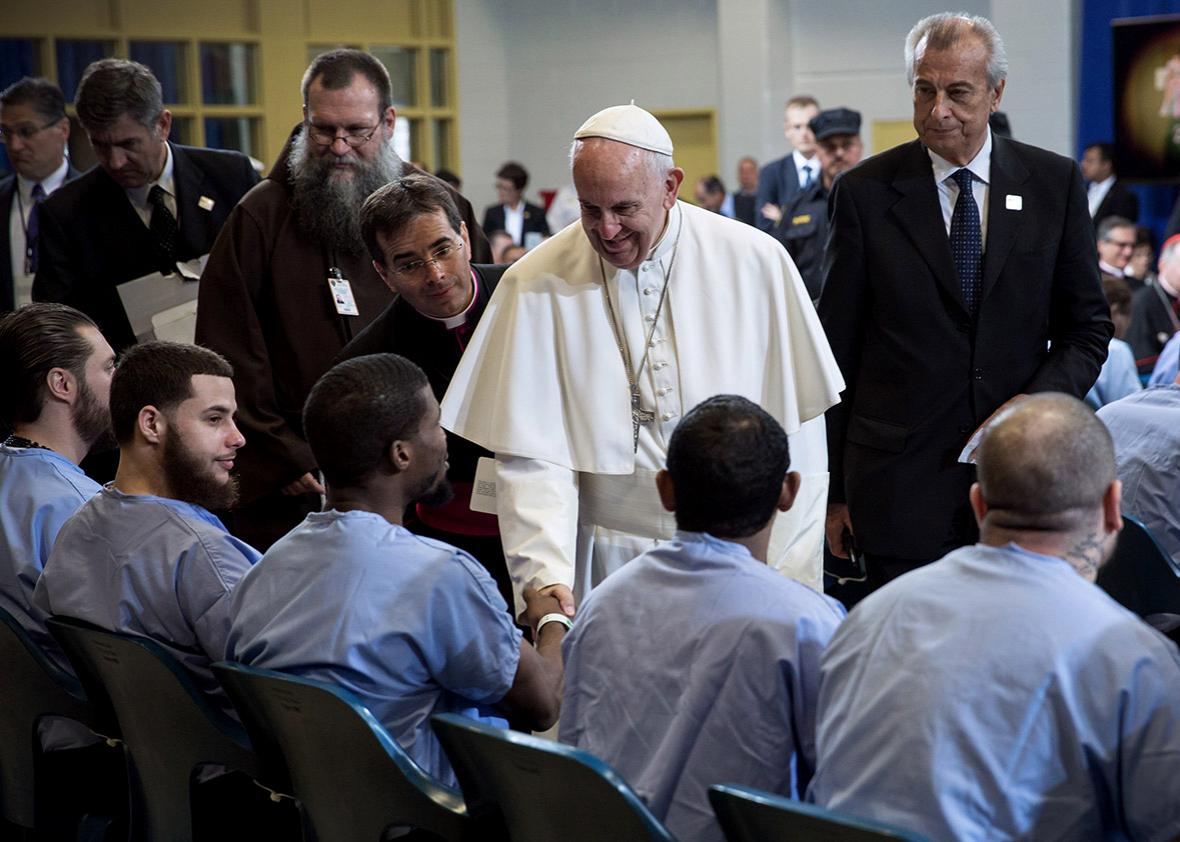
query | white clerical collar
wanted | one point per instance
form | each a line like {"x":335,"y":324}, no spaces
{"x":48,"y":184}
{"x":139,"y":195}
{"x":667,"y":240}
{"x":980,"y":166}
{"x":459,"y":319}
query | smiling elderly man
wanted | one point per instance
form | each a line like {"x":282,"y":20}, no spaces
{"x":596,"y":343}
{"x":960,"y":273}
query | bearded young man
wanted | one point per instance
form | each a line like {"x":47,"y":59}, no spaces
{"x":56,"y":384}
{"x":145,"y":555}
{"x":290,"y":281}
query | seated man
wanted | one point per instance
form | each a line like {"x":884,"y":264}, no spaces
{"x":411,"y":625}
{"x":421,"y":248}
{"x":1145,"y":427}
{"x":145,"y":556}
{"x":997,"y":693}
{"x":56,"y":385}
{"x":696,"y":664}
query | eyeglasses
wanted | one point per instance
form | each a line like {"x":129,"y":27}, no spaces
{"x":326,"y":135}
{"x":25,"y":133}
{"x":416,"y":268}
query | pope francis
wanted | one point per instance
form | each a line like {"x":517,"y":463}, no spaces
{"x":600,"y":339}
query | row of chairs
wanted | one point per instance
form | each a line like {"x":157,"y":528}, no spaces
{"x":314,"y":742}
{"x":312,"y":745}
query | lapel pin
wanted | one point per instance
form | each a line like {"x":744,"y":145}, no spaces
{"x":1013,"y":202}
{"x":205,"y":203}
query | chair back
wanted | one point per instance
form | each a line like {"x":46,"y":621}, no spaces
{"x":1140,"y":574}
{"x":168,"y":726}
{"x":751,"y":815}
{"x":543,"y":790}
{"x":352,"y":778}
{"x":32,"y":687}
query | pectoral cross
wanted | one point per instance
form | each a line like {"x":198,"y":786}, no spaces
{"x":638,"y":416}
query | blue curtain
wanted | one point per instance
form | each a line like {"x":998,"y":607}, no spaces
{"x":17,"y":59}
{"x":165,"y":58}
{"x":1096,"y":91}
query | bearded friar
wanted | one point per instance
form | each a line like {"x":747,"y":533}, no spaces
{"x":290,"y":281}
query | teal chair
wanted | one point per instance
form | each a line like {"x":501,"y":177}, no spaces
{"x":751,"y":815}
{"x":172,"y":732}
{"x":37,"y":789}
{"x":354,"y":781}
{"x":541,"y":790}
{"x":1140,"y":575}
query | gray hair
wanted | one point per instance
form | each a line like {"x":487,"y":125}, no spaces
{"x":112,"y":87}
{"x":658,"y":163}
{"x":44,"y":96}
{"x":1045,"y":464}
{"x":944,"y":30}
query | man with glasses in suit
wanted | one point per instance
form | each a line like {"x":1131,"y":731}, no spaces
{"x":34,"y":130}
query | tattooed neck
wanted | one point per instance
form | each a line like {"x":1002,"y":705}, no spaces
{"x":1085,"y":555}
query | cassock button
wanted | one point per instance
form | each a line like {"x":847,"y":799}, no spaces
{"x":648,"y":291}
{"x":964,"y":429}
{"x":668,"y":416}
{"x":978,"y":373}
{"x":649,"y":318}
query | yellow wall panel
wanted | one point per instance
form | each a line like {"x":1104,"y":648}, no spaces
{"x":328,"y":21}
{"x":83,"y":17}
{"x":210,"y":18}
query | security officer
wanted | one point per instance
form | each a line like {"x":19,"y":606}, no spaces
{"x":803,"y":228}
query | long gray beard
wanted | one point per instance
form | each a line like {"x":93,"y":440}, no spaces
{"x":327,"y":206}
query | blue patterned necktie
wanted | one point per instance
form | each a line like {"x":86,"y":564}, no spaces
{"x":967,"y":240}
{"x":32,"y":227}
{"x":806,"y":176}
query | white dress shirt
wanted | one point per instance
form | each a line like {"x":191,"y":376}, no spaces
{"x":138,"y":196}
{"x":948,"y":191}
{"x":1097,"y":191}
{"x":811,"y":163}
{"x":18,"y":220}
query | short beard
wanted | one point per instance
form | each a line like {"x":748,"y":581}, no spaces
{"x":92,"y":420}
{"x":439,"y":493}
{"x":191,"y":480}
{"x":328,"y":207}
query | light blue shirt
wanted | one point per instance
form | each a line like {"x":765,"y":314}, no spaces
{"x":1146,"y":432}
{"x":1118,"y":377}
{"x":39,"y":491}
{"x":149,"y":566}
{"x":412,"y":626}
{"x":997,"y":695}
{"x":696,"y":664}
{"x":1167,"y":365}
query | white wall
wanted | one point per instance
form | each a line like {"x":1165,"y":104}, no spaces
{"x":530,"y":71}
{"x":563,"y":60}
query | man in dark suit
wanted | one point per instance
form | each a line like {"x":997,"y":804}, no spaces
{"x":514,"y":215}
{"x":422,"y":250}
{"x":1105,"y":194}
{"x":943,"y":302}
{"x":35,"y":130}
{"x":148,"y":205}
{"x":780,"y":180}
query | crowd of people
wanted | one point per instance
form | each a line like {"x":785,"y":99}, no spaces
{"x":596,"y":487}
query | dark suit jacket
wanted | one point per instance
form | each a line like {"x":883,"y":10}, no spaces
{"x":1118,"y":201}
{"x":778,"y":182}
{"x":922,"y":374}
{"x":400,"y":329}
{"x":534,"y":220}
{"x":92,"y":239}
{"x":7,"y":197}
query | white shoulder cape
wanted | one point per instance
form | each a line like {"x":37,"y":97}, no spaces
{"x":543,"y":378}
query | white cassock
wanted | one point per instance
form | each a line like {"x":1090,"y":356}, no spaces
{"x":544,"y":386}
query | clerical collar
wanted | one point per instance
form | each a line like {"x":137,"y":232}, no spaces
{"x":139,"y":195}
{"x":980,"y":166}
{"x":50,"y":183}
{"x":459,"y":319}
{"x":668,"y":238}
